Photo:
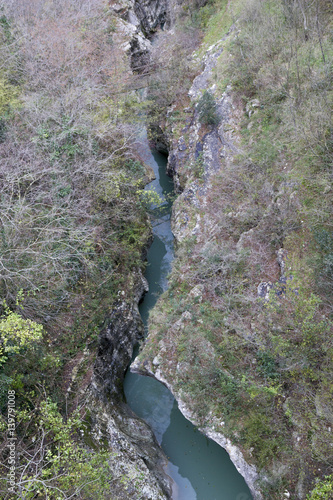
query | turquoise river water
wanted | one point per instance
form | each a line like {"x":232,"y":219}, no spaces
{"x":200,"y":469}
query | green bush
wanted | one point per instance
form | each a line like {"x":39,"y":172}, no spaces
{"x":260,"y":435}
{"x":63,"y":465}
{"x":207,"y":109}
{"x":267,"y":365}
{"x":323,"y":490}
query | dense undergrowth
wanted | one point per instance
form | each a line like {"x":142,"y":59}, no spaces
{"x":261,"y":368}
{"x":73,"y":228}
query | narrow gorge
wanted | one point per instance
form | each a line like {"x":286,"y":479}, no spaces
{"x":220,"y":479}
{"x":198,"y":467}
{"x":166,"y":249}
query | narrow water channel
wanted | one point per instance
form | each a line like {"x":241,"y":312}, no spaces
{"x":200,"y":469}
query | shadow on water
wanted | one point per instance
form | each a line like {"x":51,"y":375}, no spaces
{"x":200,"y":468}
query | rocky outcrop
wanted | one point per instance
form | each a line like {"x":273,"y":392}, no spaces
{"x":203,"y":153}
{"x":146,"y":15}
{"x":136,"y":460}
{"x":139,"y":53}
{"x":122,"y":331}
{"x":142,"y":19}
{"x":152,"y":14}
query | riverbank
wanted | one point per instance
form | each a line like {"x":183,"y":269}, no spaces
{"x":75,"y":232}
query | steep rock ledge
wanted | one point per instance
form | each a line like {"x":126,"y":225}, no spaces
{"x":123,"y":330}
{"x":136,"y":461}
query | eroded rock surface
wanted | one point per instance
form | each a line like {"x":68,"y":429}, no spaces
{"x":136,"y":460}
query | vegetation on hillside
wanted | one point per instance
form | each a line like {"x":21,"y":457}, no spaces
{"x":261,"y":368}
{"x":51,"y":460}
{"x":73,"y":227}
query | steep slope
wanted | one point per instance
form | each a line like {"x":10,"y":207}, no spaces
{"x":243,"y":336}
{"x":74,"y":231}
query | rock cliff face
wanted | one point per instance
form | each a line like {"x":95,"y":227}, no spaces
{"x":123,"y":330}
{"x":136,"y":454}
{"x":152,"y":14}
{"x":136,"y":462}
{"x":205,"y":150}
{"x":143,"y":18}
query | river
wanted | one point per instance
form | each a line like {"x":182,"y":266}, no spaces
{"x":200,"y":469}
